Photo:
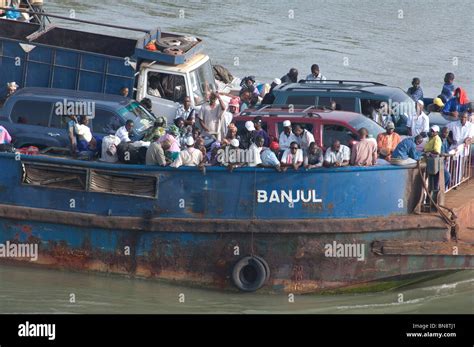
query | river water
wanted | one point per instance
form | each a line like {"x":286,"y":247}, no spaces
{"x":384,"y":41}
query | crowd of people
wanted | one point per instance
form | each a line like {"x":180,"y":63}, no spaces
{"x":210,"y":136}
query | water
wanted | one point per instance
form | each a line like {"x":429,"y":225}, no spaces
{"x":266,"y":42}
{"x":432,"y":38}
{"x":27,"y":290}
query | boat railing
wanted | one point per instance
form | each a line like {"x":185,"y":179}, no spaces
{"x":459,"y":166}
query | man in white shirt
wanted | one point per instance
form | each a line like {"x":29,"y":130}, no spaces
{"x":292,"y":157}
{"x":255,"y":150}
{"x":304,"y":137}
{"x":190,"y":156}
{"x":286,"y":136}
{"x":123,"y":133}
{"x":109,"y":149}
{"x":315,"y":74}
{"x":337,"y":155}
{"x":418,"y":123}
{"x":211,"y":113}
{"x":463,"y":130}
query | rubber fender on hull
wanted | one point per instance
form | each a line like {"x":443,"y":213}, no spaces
{"x":250,"y":273}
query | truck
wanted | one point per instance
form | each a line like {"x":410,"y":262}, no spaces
{"x":163,"y":67}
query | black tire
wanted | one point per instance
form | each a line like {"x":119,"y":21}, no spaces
{"x":265,"y":264}
{"x":174,"y":42}
{"x":249,"y":274}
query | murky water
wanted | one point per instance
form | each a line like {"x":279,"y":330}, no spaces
{"x":27,"y":290}
{"x":384,"y":41}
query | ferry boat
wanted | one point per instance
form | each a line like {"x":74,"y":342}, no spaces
{"x":348,"y":228}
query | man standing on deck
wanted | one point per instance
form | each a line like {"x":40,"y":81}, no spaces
{"x":211,"y":113}
{"x":433,"y":146}
{"x":364,"y":152}
{"x":286,"y":136}
{"x":186,"y":111}
{"x":406,"y":152}
{"x":269,"y":156}
{"x":292,"y":157}
{"x":463,"y":130}
{"x":304,"y":137}
{"x":419,"y":123}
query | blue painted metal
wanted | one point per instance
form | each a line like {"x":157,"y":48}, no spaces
{"x":350,"y":192}
{"x":60,"y":61}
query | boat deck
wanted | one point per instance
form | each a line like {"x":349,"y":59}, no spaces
{"x":461,"y":201}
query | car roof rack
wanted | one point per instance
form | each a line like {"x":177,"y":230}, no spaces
{"x":284,"y":110}
{"x":329,"y":89}
{"x":368,"y":83}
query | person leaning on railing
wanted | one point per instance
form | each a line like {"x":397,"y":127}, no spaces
{"x":463,"y":130}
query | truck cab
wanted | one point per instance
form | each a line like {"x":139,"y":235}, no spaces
{"x":167,"y":86}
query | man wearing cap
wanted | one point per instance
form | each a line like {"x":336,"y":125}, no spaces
{"x":304,"y":137}
{"x":190,"y":156}
{"x":315,"y":74}
{"x":247,"y":135}
{"x":364,"y":152}
{"x":433,"y":146}
{"x":231,"y":156}
{"x":269,"y":156}
{"x":419,"y":123}
{"x":387,"y":142}
{"x":286,"y":136}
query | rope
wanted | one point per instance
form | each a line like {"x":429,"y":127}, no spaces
{"x":450,"y":221}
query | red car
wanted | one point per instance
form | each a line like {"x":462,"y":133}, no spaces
{"x":325,"y":125}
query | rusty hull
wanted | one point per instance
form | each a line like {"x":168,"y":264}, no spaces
{"x":203,"y":252}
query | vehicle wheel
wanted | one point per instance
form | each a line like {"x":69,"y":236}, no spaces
{"x":249,"y":274}
{"x":181,"y":43}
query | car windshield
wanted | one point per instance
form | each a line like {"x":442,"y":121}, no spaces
{"x":202,"y":82}
{"x":363,"y":122}
{"x":141,"y":118}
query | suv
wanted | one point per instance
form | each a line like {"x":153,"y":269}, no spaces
{"x":31,"y":115}
{"x":325,"y":125}
{"x":354,"y":96}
